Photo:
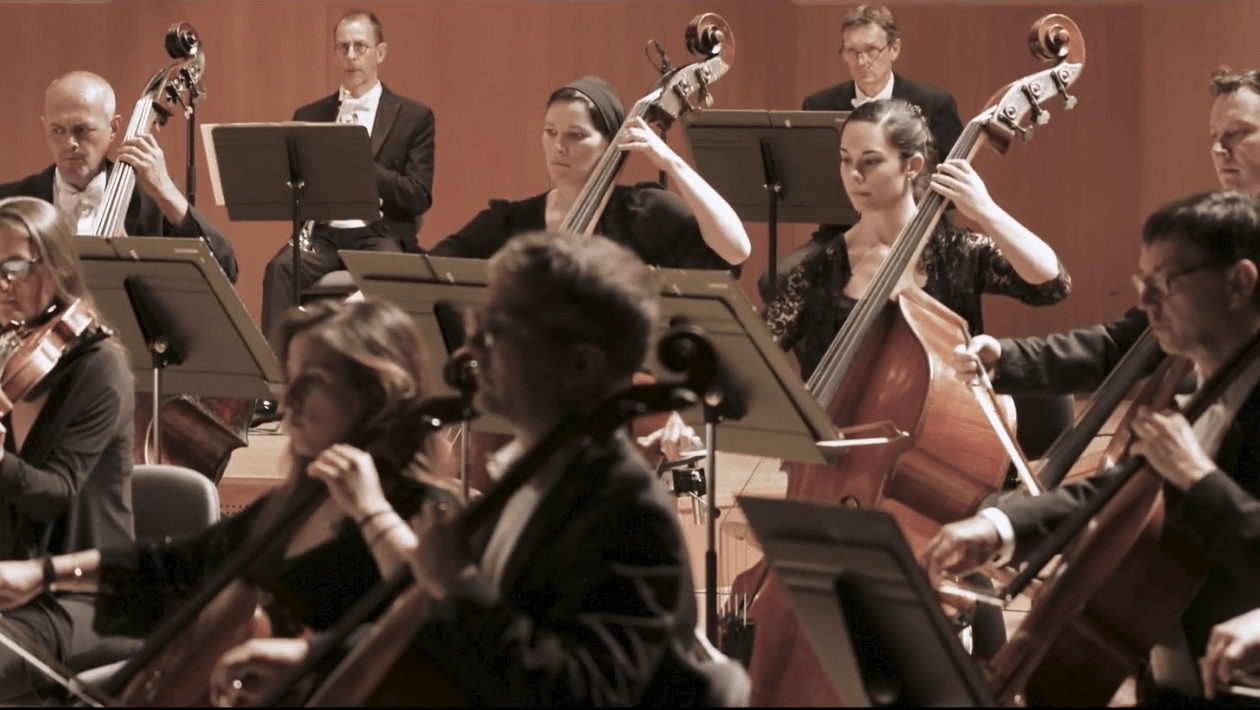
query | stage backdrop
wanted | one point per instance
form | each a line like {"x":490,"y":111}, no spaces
{"x":1137,"y":138}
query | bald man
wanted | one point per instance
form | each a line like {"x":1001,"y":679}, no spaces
{"x":80,"y":123}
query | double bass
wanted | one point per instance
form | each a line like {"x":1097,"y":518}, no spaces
{"x":890,"y":362}
{"x":711,"y":38}
{"x":198,"y":432}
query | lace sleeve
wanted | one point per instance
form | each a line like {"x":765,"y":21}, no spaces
{"x":785,"y":314}
{"x":994,"y":274}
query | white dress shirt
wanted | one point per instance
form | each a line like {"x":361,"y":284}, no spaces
{"x":884,"y":93}
{"x":78,"y":206}
{"x":521,"y":506}
{"x":361,"y":111}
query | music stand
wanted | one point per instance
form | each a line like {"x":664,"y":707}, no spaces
{"x":773,"y":166}
{"x":175,"y":311}
{"x":873,"y":619}
{"x":434,"y":291}
{"x":294,"y":172}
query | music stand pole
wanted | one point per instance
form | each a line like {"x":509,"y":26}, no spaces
{"x":296,"y":185}
{"x":711,"y":419}
{"x":161,"y":350}
{"x":774,"y":193}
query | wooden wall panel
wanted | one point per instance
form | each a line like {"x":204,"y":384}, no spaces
{"x":1137,"y":138}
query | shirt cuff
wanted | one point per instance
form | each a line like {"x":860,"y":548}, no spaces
{"x":1006,"y":532}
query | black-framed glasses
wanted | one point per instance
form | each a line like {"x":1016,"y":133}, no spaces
{"x":15,"y":270}
{"x":359,"y":48}
{"x":868,"y":55}
{"x":1158,"y":285}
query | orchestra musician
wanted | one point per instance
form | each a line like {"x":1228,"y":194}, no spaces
{"x":80,"y":122}
{"x":1079,"y":360}
{"x":581,"y":592}
{"x":353,"y":370}
{"x":698,"y":230}
{"x":1197,"y":287}
{"x":65,"y":469}
{"x":402,"y":132}
{"x":870,"y":44}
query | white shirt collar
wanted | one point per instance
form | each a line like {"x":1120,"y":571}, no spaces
{"x":368,"y":101}
{"x":95,"y":188}
{"x":884,"y":93}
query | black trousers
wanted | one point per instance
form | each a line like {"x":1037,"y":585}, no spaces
{"x":46,"y":628}
{"x":313,"y":265}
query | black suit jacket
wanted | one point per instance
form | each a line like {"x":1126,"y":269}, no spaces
{"x":1066,"y":363}
{"x":144,"y":218}
{"x":938,"y":106}
{"x":1220,"y":514}
{"x":402,"y":145}
{"x":597,"y":605}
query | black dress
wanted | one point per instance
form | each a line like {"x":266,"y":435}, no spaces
{"x":142,"y":583}
{"x":960,"y":265}
{"x":652,"y":222}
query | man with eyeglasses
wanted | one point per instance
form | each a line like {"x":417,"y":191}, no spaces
{"x":80,"y":123}
{"x":402,"y":132}
{"x":1198,"y":288}
{"x":869,"y":46}
{"x":1079,"y":360}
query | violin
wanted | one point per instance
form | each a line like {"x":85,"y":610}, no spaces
{"x":885,"y":365}
{"x":380,"y":670}
{"x":30,"y":352}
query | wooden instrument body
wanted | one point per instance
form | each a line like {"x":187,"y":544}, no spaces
{"x":198,"y":432}
{"x":940,"y":473}
{"x":361,"y":680}
{"x":1124,"y":581}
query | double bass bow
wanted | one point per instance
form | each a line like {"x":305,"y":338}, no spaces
{"x":890,"y":363}
{"x":378,"y":671}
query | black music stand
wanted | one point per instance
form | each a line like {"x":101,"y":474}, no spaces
{"x":179,"y":317}
{"x":435,"y":291}
{"x":773,"y":166}
{"x":873,"y":619}
{"x":294,"y":172}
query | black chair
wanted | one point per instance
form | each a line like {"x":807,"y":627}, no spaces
{"x":168,"y":501}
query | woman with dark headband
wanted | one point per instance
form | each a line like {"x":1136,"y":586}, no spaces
{"x":698,"y":230}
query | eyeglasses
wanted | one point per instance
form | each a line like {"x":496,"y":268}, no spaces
{"x":359,"y":48}
{"x":868,"y":55}
{"x":1159,"y":284}
{"x":15,"y":270}
{"x":483,"y":328}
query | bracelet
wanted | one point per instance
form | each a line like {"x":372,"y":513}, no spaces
{"x":373,"y":516}
{"x":375,"y":538}
{"x":50,"y":575}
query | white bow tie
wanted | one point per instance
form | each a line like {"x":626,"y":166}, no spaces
{"x":352,"y":107}
{"x":80,"y":202}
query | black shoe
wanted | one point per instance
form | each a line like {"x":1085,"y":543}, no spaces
{"x":265,"y":412}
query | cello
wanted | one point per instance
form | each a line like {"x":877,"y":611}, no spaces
{"x":1123,"y":580}
{"x":199,"y":432}
{"x":890,"y":363}
{"x":380,"y":669}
